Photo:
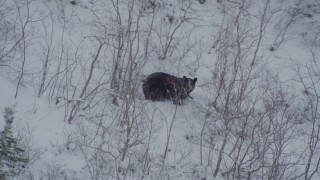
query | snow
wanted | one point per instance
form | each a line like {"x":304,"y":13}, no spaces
{"x":91,"y":146}
{"x":45,"y":122}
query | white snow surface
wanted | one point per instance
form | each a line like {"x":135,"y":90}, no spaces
{"x":57,"y":141}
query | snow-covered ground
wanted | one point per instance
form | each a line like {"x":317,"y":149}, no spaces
{"x":253,"y":114}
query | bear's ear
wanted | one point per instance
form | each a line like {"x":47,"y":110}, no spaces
{"x":195,"y":79}
{"x":184,"y":77}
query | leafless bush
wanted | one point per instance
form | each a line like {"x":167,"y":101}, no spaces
{"x":307,"y":80}
{"x":8,"y":45}
{"x":26,"y":137}
{"x":172,"y":32}
{"x":115,"y":135}
{"x":15,"y":37}
{"x":118,"y":147}
{"x":249,"y":123}
{"x":53,"y":172}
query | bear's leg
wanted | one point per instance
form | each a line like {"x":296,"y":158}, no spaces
{"x":177,"y":101}
{"x":146,"y":91}
{"x":156,"y":95}
{"x":175,"y":98}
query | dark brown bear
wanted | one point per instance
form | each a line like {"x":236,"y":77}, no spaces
{"x":160,"y":86}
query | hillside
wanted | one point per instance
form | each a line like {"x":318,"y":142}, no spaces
{"x":72,"y":71}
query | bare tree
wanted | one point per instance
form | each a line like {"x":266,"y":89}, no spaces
{"x":308,"y":80}
{"x":47,"y":49}
{"x":241,"y":106}
{"x":23,"y":24}
{"x":175,"y":17}
{"x":15,"y":37}
{"x":126,"y":43}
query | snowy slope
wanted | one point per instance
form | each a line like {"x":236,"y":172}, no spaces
{"x":253,"y":112}
{"x":42,"y":124}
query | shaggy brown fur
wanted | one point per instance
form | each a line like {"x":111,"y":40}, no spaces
{"x":160,"y":86}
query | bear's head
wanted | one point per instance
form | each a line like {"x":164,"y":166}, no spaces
{"x":189,"y":84}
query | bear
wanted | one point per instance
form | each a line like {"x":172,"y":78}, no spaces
{"x":160,"y":86}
